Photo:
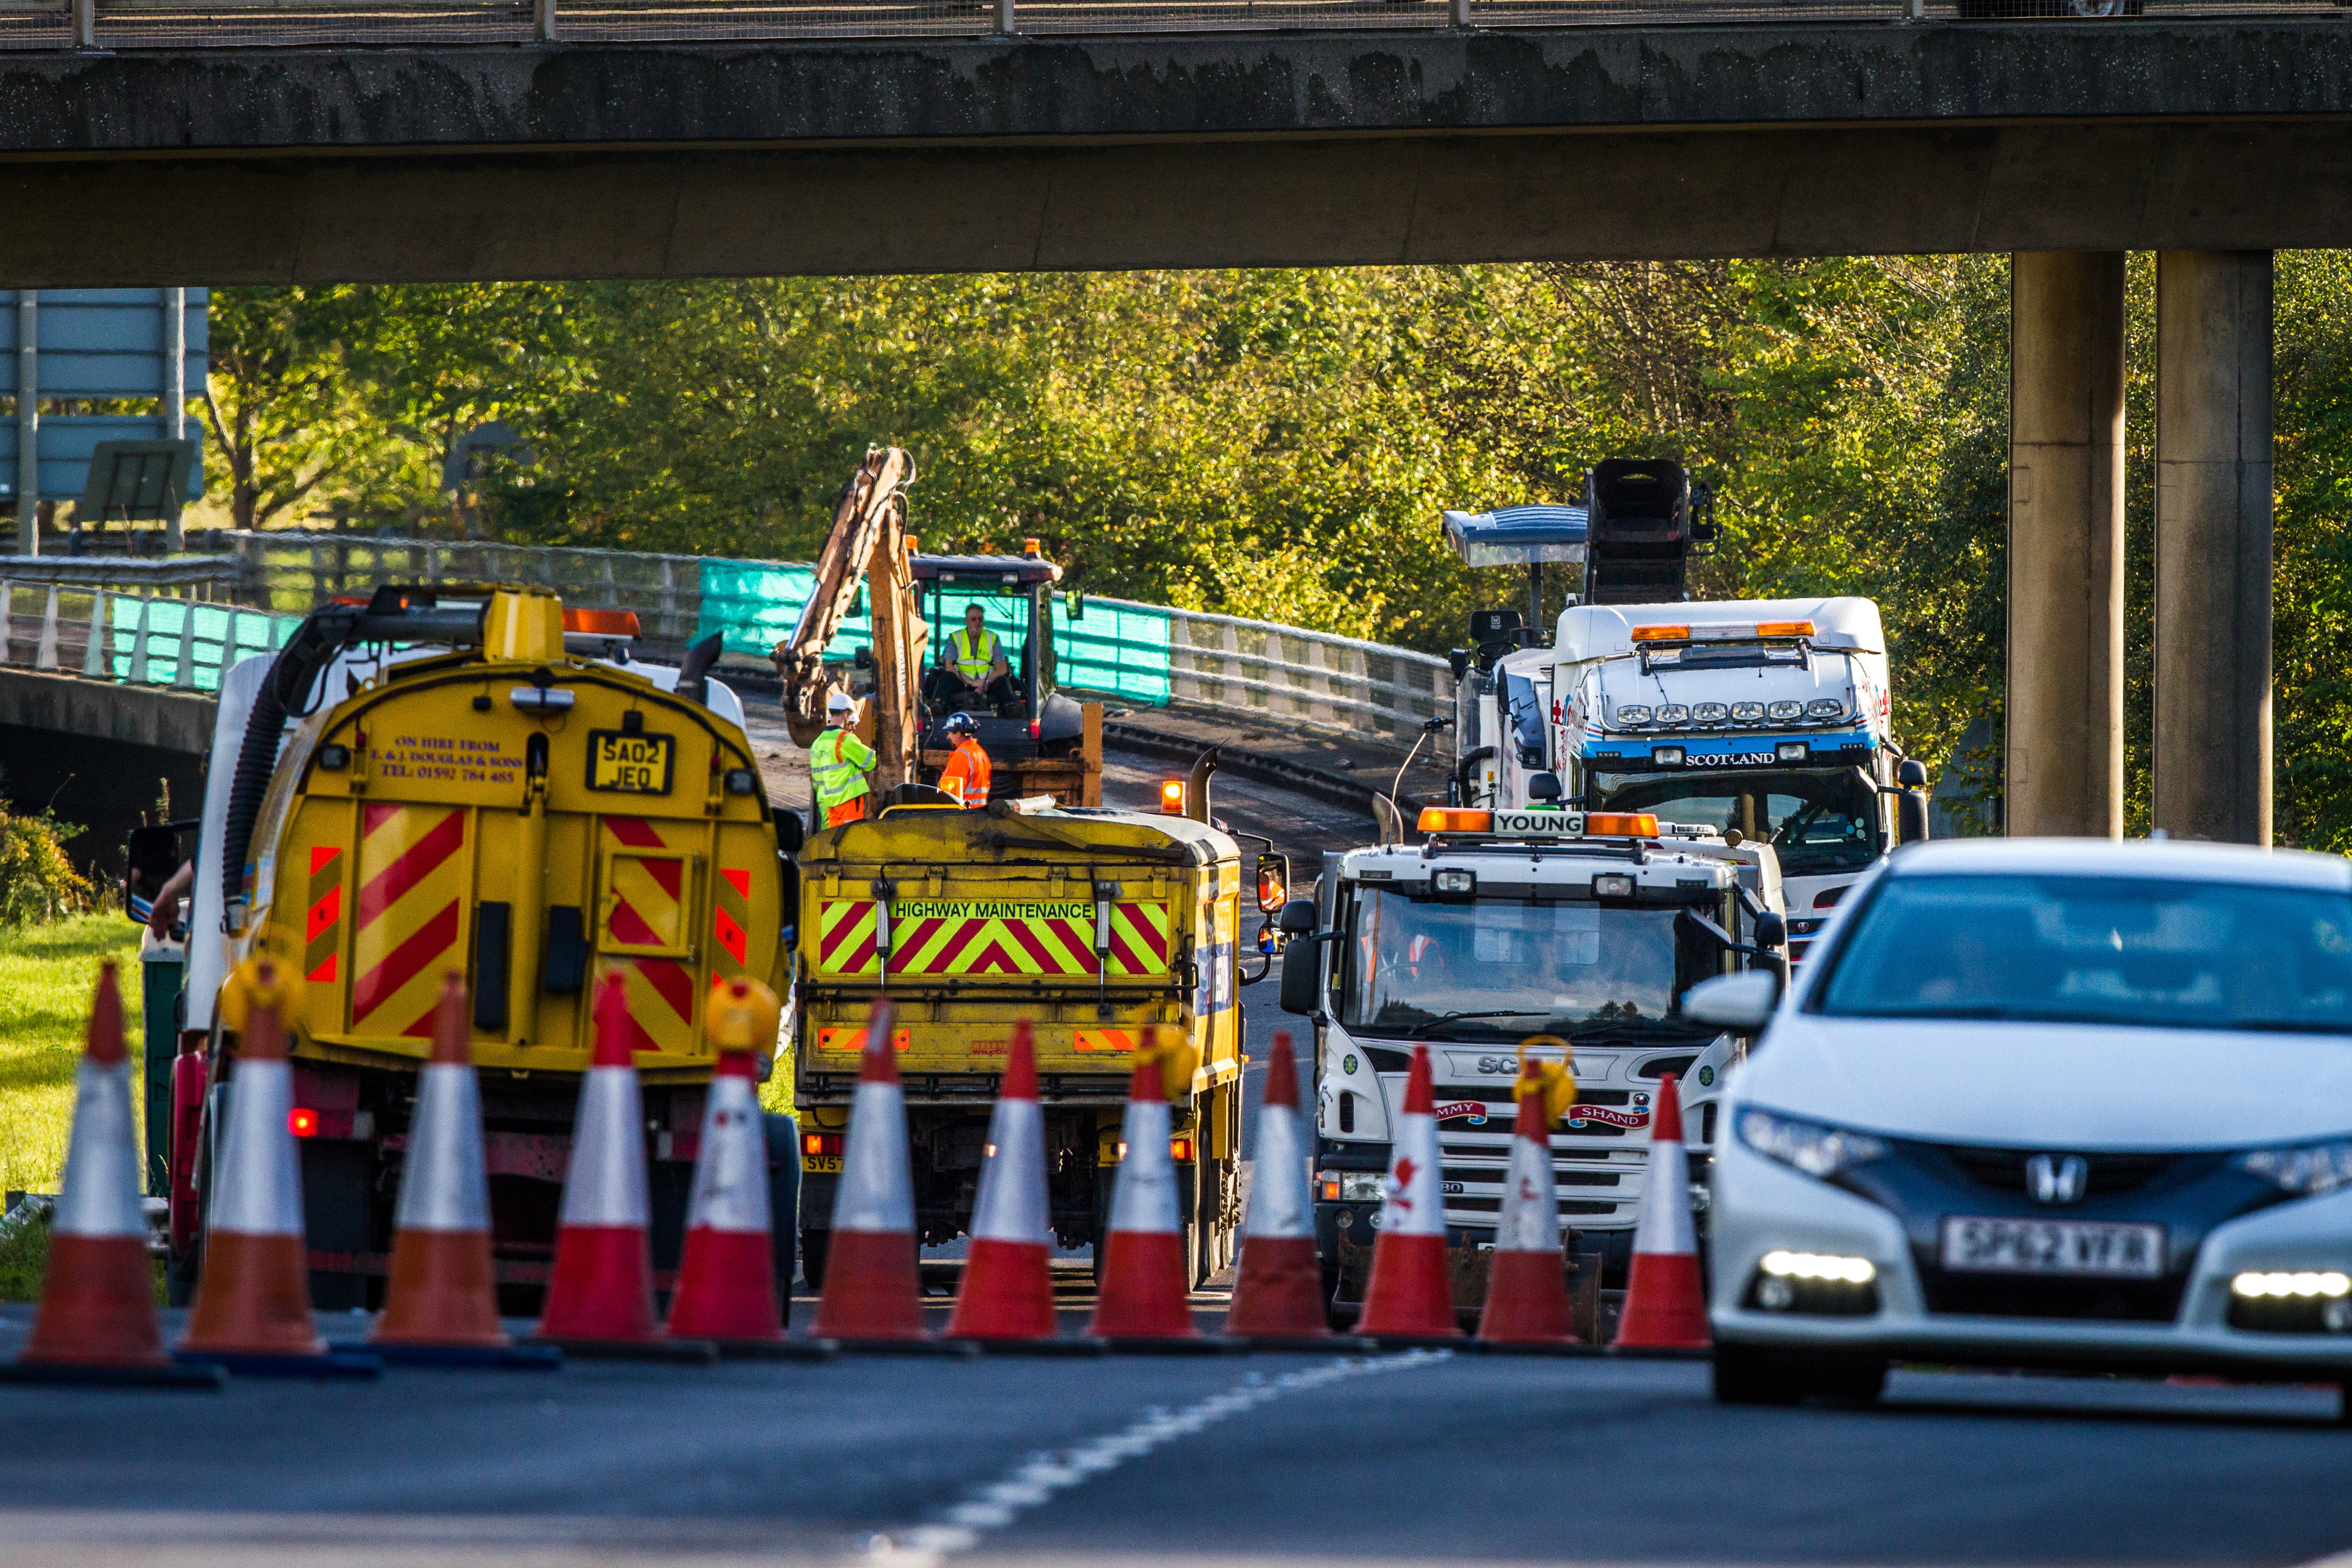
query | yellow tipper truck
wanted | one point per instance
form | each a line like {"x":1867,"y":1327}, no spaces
{"x":448,"y":778}
{"x":1095,"y":925}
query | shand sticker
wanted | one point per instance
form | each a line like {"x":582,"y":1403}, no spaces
{"x":1580,"y":1115}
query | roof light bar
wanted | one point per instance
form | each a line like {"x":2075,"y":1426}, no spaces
{"x":1620,"y":825}
{"x":1454,"y":819}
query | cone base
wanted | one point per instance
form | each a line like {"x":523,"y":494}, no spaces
{"x":442,"y":1293}
{"x":1143,"y":1295}
{"x":602,"y":1286}
{"x":97,"y":1306}
{"x":1007,"y":1293}
{"x":1279,"y":1291}
{"x":872,"y":1288}
{"x":1410,"y":1292}
{"x":1665,"y":1306}
{"x":727,"y":1287}
{"x":253,"y":1299}
{"x":1527,"y":1301}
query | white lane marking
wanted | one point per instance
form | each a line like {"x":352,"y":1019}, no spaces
{"x":1037,"y":1480}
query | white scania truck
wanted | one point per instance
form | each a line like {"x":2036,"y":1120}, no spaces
{"x":1497,"y":926}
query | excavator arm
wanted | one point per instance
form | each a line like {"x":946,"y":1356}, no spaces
{"x":868,"y":543}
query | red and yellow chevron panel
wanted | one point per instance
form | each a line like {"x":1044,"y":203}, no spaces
{"x":852,"y":1039}
{"x":730,"y":921}
{"x":323,"y":922}
{"x":1139,"y":944}
{"x":408,"y":920}
{"x":647,"y":891}
{"x":660,"y":993}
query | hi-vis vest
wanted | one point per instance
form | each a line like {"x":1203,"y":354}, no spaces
{"x":974,"y":657}
{"x":967,"y":774}
{"x":837,"y":761}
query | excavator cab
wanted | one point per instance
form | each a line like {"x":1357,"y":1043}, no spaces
{"x":1021,"y":716}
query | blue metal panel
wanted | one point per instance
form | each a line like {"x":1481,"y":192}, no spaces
{"x":106,"y":343}
{"x":67,"y":441}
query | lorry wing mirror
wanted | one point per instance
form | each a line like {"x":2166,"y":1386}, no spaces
{"x":151,"y":855}
{"x":1910,"y":801}
{"x":1273,"y":882}
{"x":790,"y":831}
{"x":1297,"y":917}
{"x":1741,"y":1002}
{"x":1911,"y":774}
{"x":1543,"y":787}
{"x":1771,"y":931}
{"x":1302,"y":974}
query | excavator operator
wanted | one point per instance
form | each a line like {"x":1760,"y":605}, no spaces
{"x":966,"y":775}
{"x":838,"y":761}
{"x":973,"y":665}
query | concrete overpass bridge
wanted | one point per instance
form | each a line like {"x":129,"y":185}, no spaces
{"x":679,"y":144}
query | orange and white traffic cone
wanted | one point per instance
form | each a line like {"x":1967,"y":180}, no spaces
{"x":727,"y":1275}
{"x":1279,"y":1294}
{"x":252,"y":1310}
{"x":600,"y":1296}
{"x":97,"y":1316}
{"x":1007,"y":1293}
{"x":1411,"y":1293}
{"x":1527,"y":1288}
{"x":873,"y":1287}
{"x":441,"y":1303}
{"x":1666,"y":1305}
{"x":1145,"y":1296}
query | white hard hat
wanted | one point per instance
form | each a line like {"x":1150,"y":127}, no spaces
{"x":841,"y":702}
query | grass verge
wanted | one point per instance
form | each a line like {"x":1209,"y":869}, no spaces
{"x":46,"y":975}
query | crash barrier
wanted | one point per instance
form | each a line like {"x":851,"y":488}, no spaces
{"x":1140,"y":655}
{"x":135,"y":639}
{"x":150,"y":23}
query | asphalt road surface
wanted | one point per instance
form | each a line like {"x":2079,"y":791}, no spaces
{"x":1389,"y":1461}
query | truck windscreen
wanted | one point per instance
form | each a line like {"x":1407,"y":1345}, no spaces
{"x":1502,"y":970}
{"x":1818,"y":822}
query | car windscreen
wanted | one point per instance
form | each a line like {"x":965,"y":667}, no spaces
{"x":1501,"y":970}
{"x":2098,"y":950}
{"x":1819,"y":821}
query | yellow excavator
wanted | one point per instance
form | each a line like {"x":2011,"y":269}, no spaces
{"x":1039,"y":741}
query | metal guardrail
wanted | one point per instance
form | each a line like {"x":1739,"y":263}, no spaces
{"x":119,"y":25}
{"x":122,"y":571}
{"x":133,"y":640}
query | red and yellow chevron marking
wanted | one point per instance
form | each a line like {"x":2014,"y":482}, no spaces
{"x":730,"y":920}
{"x":646,"y":906}
{"x":852,"y":1039}
{"x":408,"y":918}
{"x":660,"y":993}
{"x":323,"y":925}
{"x":1139,"y":939}
{"x":1108,"y":1039}
{"x":846,"y":930}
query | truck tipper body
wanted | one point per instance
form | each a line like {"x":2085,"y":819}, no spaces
{"x":1769,"y":717}
{"x":1099,"y":927}
{"x":1577,"y":931}
{"x":446,"y":780}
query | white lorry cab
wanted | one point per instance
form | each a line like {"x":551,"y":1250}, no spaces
{"x":1578,"y":931}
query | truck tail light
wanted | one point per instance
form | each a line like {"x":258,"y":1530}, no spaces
{"x":821,"y":1143}
{"x":1180,"y":1150}
{"x":302,"y":1121}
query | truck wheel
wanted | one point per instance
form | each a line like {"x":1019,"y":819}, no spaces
{"x":812,"y":1244}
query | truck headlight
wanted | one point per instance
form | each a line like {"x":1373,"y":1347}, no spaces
{"x":2305,"y":1170}
{"x":1824,"y":707}
{"x":1819,"y":1151}
{"x":1789,"y":751}
{"x":1747,"y":712}
{"x":1454,"y":882}
{"x":1633,"y":713}
{"x":1710,"y":712}
{"x":1673,"y":713}
{"x":1348,"y":1186}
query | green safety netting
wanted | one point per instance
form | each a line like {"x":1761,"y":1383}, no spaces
{"x":223,"y":635}
{"x":1117,"y":649}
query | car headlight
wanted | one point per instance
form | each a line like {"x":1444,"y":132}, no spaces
{"x":2305,"y":1170}
{"x":1808,"y":1146}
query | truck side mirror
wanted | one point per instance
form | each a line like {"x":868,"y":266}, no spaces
{"x":1302,"y":973}
{"x":1771,"y":931}
{"x":1911,"y":774}
{"x":1273,"y":882}
{"x":1543,"y":787}
{"x":151,"y":855}
{"x":1911,"y":801}
{"x":1742,"y":1002}
{"x":1297,"y":917}
{"x":790,"y":831}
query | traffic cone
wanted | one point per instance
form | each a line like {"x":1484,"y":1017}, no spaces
{"x":1145,"y":1295}
{"x":1527,"y":1287}
{"x":97,"y":1300}
{"x":600,"y":1298}
{"x":1411,"y":1294}
{"x":1665,"y":1306}
{"x":252,"y":1310}
{"x":1279,"y":1293}
{"x":1007,"y":1293}
{"x":442,"y":1294}
{"x":873,"y":1288}
{"x":727,"y":1275}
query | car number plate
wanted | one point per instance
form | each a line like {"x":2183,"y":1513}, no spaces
{"x":631,"y":764}
{"x":2053,"y":1247}
{"x":821,"y":1164}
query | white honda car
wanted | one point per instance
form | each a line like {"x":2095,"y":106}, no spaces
{"x":2044,"y":1102}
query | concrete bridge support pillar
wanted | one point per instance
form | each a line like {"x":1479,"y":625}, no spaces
{"x":2212,"y":752}
{"x":2065,"y":756}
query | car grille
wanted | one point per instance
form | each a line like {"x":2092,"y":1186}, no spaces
{"x":2029,"y":1296}
{"x":2004,"y":1169}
